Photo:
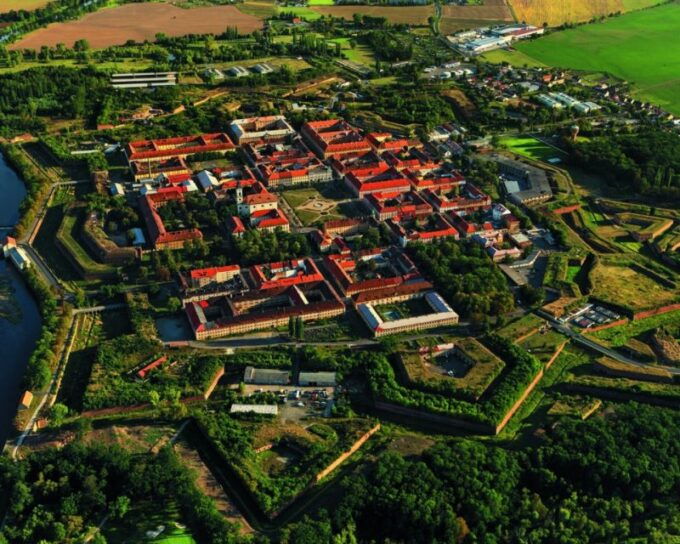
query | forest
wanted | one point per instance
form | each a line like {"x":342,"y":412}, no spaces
{"x":465,"y":276}
{"x":646,"y":162}
{"x":613,"y":478}
{"x":57,"y":496}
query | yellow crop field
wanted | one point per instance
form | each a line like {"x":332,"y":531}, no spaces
{"x":557,"y":12}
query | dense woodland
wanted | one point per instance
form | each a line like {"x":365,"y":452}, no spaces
{"x":614,"y":478}
{"x":58,"y":495}
{"x":646,"y":162}
{"x":463,"y":273}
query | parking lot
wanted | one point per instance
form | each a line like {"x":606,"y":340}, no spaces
{"x":297,"y":402}
{"x":591,"y":315}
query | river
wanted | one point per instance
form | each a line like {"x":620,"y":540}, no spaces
{"x":17,"y":340}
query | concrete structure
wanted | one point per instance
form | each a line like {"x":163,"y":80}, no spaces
{"x":143,"y":79}
{"x":259,"y":409}
{"x":266,"y":376}
{"x":525,"y":183}
{"x":318,"y":379}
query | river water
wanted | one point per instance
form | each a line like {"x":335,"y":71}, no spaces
{"x":17,"y":340}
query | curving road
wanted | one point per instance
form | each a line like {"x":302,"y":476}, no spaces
{"x":587,"y":342}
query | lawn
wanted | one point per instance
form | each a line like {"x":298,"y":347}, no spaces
{"x":320,"y":2}
{"x":532,"y":148}
{"x":361,"y":54}
{"x":144,"y":517}
{"x":641,"y":47}
{"x":311,"y":205}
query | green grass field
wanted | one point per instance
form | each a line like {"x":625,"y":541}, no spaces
{"x":532,"y":148}
{"x":641,"y":47}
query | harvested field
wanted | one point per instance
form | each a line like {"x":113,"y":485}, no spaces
{"x":27,"y":5}
{"x":139,"y":22}
{"x":456,"y":18}
{"x":411,"y":15}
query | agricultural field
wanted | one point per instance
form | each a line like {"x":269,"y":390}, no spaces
{"x":456,"y":17}
{"x":27,"y":5}
{"x":537,"y":12}
{"x":139,"y":22}
{"x":648,"y":60}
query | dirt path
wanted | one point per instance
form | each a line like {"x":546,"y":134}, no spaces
{"x":207,"y":483}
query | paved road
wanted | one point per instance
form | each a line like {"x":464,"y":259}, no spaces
{"x":587,"y":342}
{"x":41,"y":267}
{"x":52,"y":389}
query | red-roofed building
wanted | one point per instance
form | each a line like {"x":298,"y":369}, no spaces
{"x":255,"y":198}
{"x":438,"y":178}
{"x":371,"y":269}
{"x":461,"y":198}
{"x":235,"y":226}
{"x":464,"y":228}
{"x":174,"y":166}
{"x":154,"y":364}
{"x":160,"y":237}
{"x":321,"y":240}
{"x":344,"y":164}
{"x":262,"y":308}
{"x":333,"y":137}
{"x":181,"y":147}
{"x":269,"y":220}
{"x":384,"y":141}
{"x":201,"y":277}
{"x":434,"y":227}
{"x":377,"y":180}
{"x":398,"y":205}
{"x":287,"y":273}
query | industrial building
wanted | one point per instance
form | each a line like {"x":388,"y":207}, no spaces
{"x":266,"y":376}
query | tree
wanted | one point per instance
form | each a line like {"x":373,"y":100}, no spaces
{"x":174,"y":304}
{"x":120,"y":507}
{"x":58,"y":413}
